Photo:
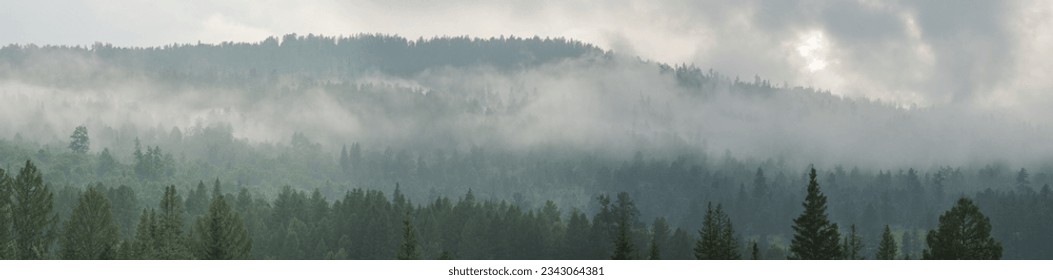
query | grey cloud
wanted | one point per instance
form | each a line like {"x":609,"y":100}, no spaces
{"x":966,"y":49}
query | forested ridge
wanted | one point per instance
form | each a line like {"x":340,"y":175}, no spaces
{"x":415,"y":150}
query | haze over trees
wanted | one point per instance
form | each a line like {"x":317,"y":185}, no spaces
{"x":380,"y":147}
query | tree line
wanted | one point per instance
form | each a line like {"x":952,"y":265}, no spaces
{"x":366,"y":224}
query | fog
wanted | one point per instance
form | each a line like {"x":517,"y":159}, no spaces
{"x":604,"y":103}
{"x":929,"y":53}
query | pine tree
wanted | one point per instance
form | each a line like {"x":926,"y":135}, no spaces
{"x":576,"y":240}
{"x":79,"y":142}
{"x":345,"y":160}
{"x":907,"y":243}
{"x":754,"y":251}
{"x":660,"y":238}
{"x":106,"y":163}
{"x":887,"y":247}
{"x":408,"y":250}
{"x":625,"y":214}
{"x":654,"y":253}
{"x":6,"y":238}
{"x":197,"y":200}
{"x":852,"y":245}
{"x":717,"y":237}
{"x":814,"y":238}
{"x":169,"y":243}
{"x":90,"y":232}
{"x":220,"y":234}
{"x":32,"y":220}
{"x":962,"y":234}
{"x":144,"y":245}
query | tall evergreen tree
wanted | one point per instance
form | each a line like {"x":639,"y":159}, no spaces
{"x":814,"y":238}
{"x":962,"y":234}
{"x":660,"y":238}
{"x":125,"y":208}
{"x":907,"y":243}
{"x":144,"y":245}
{"x":106,"y":163}
{"x":717,"y":237}
{"x":408,"y":250}
{"x":754,"y":251}
{"x":79,"y":142}
{"x":32,"y":219}
{"x":625,"y":214}
{"x":852,"y":245}
{"x":169,"y":241}
{"x":345,"y":160}
{"x":6,"y":238}
{"x":220,"y":234}
{"x":887,"y":248}
{"x":576,"y":239}
{"x":197,"y":200}
{"x":90,"y":232}
{"x":654,"y":254}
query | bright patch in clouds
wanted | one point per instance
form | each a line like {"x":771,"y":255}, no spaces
{"x":813,"y":48}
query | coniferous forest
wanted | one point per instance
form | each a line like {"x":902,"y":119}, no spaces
{"x":381,"y":147}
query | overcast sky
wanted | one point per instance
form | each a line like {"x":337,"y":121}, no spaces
{"x":982,"y":53}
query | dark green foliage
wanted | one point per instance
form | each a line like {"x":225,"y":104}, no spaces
{"x":90,"y":233}
{"x":717,"y":237}
{"x":153,"y":164}
{"x":107,"y":164}
{"x":681,"y":245}
{"x":887,"y":248}
{"x":625,"y":214}
{"x":125,"y":208}
{"x":169,"y":239}
{"x":6,"y":237}
{"x":908,"y":244}
{"x":660,"y":239}
{"x":814,"y":238}
{"x":197,"y":201}
{"x":33,"y":221}
{"x":576,"y":240}
{"x":408,"y":250}
{"x":159,"y":235}
{"x":963,"y":234}
{"x":754,"y":251}
{"x":220,"y":234}
{"x":653,"y":253}
{"x":852,"y":245}
{"x":79,"y":142}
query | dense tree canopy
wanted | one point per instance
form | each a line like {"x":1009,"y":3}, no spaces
{"x":963,"y":234}
{"x":717,"y":240}
{"x":90,"y":232}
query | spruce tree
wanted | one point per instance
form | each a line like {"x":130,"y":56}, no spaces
{"x":852,"y":245}
{"x":220,"y":234}
{"x":90,"y":232}
{"x":169,"y":243}
{"x":32,"y":220}
{"x":754,"y":251}
{"x":625,"y":214}
{"x":887,"y":248}
{"x":717,"y":237}
{"x":963,"y":233}
{"x":6,"y":238}
{"x":144,"y":245}
{"x":654,"y":253}
{"x":408,"y":250}
{"x":79,"y":142}
{"x":814,"y":238}
{"x":660,"y":237}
